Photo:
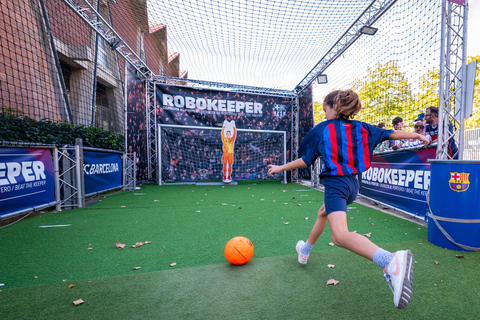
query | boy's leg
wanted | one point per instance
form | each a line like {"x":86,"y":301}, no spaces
{"x":319,"y":226}
{"x":349,"y":240}
{"x":398,"y":272}
{"x":303,"y":249}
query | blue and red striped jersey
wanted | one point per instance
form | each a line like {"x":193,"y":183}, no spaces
{"x":346,"y":146}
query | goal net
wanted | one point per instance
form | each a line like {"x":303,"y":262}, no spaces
{"x":194,"y":154}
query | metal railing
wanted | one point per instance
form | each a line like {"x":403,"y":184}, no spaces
{"x":471,"y":147}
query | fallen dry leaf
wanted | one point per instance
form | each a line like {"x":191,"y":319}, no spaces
{"x":371,"y":223}
{"x":239,"y":207}
{"x":285,"y":203}
{"x":284,"y":190}
{"x":331,"y":265}
{"x":136,"y":268}
{"x":436,"y":262}
{"x":253,"y":195}
{"x":285,"y":223}
{"x":368,"y":234}
{"x":332,"y":281}
{"x":293,"y":198}
{"x":224,"y":204}
{"x":71,"y":286}
{"x":120,"y":245}
{"x":306,"y":218}
{"x":299,"y":204}
{"x":89,"y":248}
{"x":147,"y":242}
{"x":78,"y":302}
{"x":156,"y":200}
{"x":173,"y":264}
{"x":138,"y":244}
{"x":122,"y":206}
{"x":331,"y":244}
{"x":459,"y":256}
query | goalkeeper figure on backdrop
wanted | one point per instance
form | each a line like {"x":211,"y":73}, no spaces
{"x":229,"y":134}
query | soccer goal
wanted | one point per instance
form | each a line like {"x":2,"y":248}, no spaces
{"x":190,"y":154}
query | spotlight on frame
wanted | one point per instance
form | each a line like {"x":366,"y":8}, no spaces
{"x":322,"y":79}
{"x":368,"y":30}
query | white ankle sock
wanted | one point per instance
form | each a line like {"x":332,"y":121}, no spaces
{"x":382,"y":257}
{"x":306,"y":248}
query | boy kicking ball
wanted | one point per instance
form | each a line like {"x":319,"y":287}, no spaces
{"x":346,"y":147}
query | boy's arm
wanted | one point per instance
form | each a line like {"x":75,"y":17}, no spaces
{"x":299,"y":163}
{"x":399,"y":134}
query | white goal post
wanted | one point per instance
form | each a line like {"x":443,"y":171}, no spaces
{"x":193,"y":154}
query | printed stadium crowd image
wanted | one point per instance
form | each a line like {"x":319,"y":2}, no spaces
{"x":195,"y":155}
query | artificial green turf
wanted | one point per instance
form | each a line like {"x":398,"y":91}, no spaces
{"x":35,"y":261}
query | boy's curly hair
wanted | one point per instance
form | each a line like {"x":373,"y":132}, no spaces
{"x":347,"y":104}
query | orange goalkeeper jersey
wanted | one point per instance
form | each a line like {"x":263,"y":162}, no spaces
{"x":229,"y":143}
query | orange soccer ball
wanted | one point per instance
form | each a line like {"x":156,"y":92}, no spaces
{"x":238,"y":250}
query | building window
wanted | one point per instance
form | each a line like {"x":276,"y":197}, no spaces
{"x":141,"y":45}
{"x":66,"y":72}
{"x":102,"y":53}
{"x":103,"y":116}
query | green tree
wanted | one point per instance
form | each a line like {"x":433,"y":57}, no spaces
{"x":474,"y":121}
{"x":385,"y":94}
{"x":318,"y":113}
{"x":428,"y":85}
{"x":429,"y":90}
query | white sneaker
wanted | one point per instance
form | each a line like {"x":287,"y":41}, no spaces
{"x":399,"y":274}
{"x":302,"y":258}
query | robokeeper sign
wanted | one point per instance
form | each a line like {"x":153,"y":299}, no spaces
{"x":400,"y":179}
{"x":26,"y":179}
{"x":197,"y":107}
{"x":101,"y":171}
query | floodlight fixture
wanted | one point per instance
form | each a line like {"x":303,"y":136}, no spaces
{"x":322,"y":79}
{"x":368,"y":30}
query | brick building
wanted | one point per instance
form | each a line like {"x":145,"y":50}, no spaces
{"x":74,"y":75}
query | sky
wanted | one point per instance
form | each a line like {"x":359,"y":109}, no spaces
{"x":473,"y":40}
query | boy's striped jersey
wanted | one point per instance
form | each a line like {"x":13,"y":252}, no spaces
{"x":346,"y":146}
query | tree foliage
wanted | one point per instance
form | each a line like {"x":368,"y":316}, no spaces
{"x":474,"y":120}
{"x":386,"y":93}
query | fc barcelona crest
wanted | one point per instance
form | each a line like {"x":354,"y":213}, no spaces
{"x":459,"y":181}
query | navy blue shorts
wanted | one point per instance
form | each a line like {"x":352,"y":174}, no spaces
{"x":340,"y":191}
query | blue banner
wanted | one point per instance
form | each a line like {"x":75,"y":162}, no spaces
{"x":101,"y":171}
{"x":26,"y":179}
{"x":400,"y":179}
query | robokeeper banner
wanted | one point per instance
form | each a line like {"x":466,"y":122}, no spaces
{"x":101,"y":171}
{"x":194,"y":107}
{"x":26,"y":179}
{"x":399,"y":179}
